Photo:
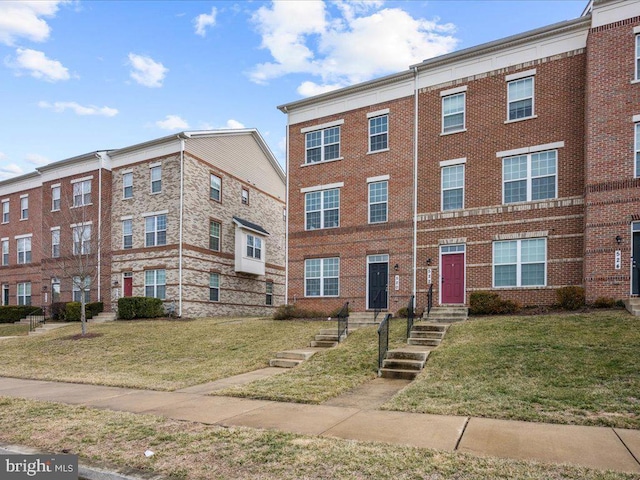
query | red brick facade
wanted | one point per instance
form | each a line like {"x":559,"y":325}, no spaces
{"x":545,"y":193}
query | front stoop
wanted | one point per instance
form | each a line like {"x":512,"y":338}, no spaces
{"x":446,"y":314}
{"x":404,"y":363}
{"x":291,"y":358}
{"x":633,"y":305}
{"x":364,"y":319}
{"x":427,"y":334}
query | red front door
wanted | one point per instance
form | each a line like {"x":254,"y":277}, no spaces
{"x":453,"y":278}
{"x":128,"y":286}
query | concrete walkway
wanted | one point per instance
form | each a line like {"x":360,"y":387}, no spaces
{"x":596,"y":447}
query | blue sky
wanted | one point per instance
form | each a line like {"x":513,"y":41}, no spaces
{"x":81,"y":76}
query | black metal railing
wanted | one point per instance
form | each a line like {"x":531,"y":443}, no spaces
{"x":383,"y":340}
{"x":376,"y":305}
{"x":343,"y":322}
{"x":410,"y":315}
{"x":35,"y":320}
{"x":429,"y":299}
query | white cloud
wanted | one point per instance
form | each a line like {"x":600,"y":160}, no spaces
{"x":146,"y":71}
{"x":38,"y":65}
{"x":353,"y":42}
{"x":36,"y":159}
{"x":22,"y":19}
{"x":79,"y":109}
{"x":204,"y":20}
{"x":9,"y":171}
{"x":172,"y":122}
{"x":231,"y":123}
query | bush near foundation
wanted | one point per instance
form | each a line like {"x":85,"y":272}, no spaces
{"x":289,"y":311}
{"x":570,"y":298}
{"x":139,"y":307}
{"x":490,"y":303}
{"x":15,"y":313}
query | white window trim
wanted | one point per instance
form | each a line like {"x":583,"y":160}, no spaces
{"x":464,"y":114}
{"x":2,"y":204}
{"x":323,"y":146}
{"x":529,"y":179}
{"x":322,"y":126}
{"x":83,"y":179}
{"x":125,"y":235}
{"x":22,"y":217}
{"x":369,"y":203}
{"x":453,"y":162}
{"x":533,"y":149}
{"x":453,"y":91}
{"x":321,"y":277}
{"x":519,"y":75}
{"x":533,"y":96}
{"x":155,"y":283}
{"x":378,"y":113}
{"x":124,"y":187}
{"x":55,"y":229}
{"x":57,"y":185}
{"x":519,"y":264}
{"x":369,"y":118}
{"x":380,"y":178}
{"x":442,"y":189}
{"x":636,"y":31}
{"x":322,"y":209}
{"x":316,"y":188}
{"x":636,"y":148}
{"x":261,"y":248}
{"x":151,"y":180}
{"x":24,"y":252}
{"x":216,"y":288}
{"x":153,"y":214}
{"x":154,"y":165}
{"x":73,"y":195}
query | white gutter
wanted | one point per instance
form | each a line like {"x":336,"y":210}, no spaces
{"x":415,"y":181}
{"x":100,"y":228}
{"x":286,"y":225}
{"x":180,"y":225}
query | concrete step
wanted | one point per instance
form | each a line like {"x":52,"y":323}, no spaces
{"x":398,"y":364}
{"x":295,"y":354}
{"x":284,"y":362}
{"x":328,"y":338}
{"x":408,"y":354}
{"x":399,"y":374}
{"x":423,"y":326}
{"x":425,"y":342}
{"x":448,"y":314}
{"x":633,"y":305}
{"x":103,"y":317}
{"x":329,"y":331}
{"x":435,"y":334}
{"x":323,"y":344}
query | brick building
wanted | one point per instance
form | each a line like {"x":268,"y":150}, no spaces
{"x":196,"y":219}
{"x":511,"y":166}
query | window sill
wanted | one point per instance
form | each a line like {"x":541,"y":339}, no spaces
{"x":637,"y":80}
{"x":525,"y":287}
{"x":323,"y":228}
{"x":83,"y":205}
{"x":370,"y":152}
{"x":524,"y":202}
{"x":379,"y":223}
{"x":462,"y":130}
{"x":520,"y":119}
{"x":127,"y":198}
{"x":56,"y":210}
{"x":322,"y":162}
{"x":155,"y":193}
{"x":452,"y":210}
{"x":23,"y":219}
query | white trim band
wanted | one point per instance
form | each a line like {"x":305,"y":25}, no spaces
{"x":536,"y":148}
{"x":317,"y":188}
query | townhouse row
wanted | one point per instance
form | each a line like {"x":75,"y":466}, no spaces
{"x":512,"y":167}
{"x":196,"y":219}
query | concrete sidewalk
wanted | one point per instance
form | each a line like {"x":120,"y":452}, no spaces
{"x":596,"y":447}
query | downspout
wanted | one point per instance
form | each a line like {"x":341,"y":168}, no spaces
{"x":100,"y":228}
{"x":286,"y":225}
{"x":415,"y":181}
{"x":180,"y":225}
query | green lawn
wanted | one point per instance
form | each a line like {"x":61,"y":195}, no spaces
{"x":328,"y":373}
{"x":577,"y":369}
{"x":196,"y":451}
{"x":157,"y":355}
{"x":11,"y":330}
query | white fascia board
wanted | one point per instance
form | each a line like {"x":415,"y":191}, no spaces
{"x":322,"y":126}
{"x":380,"y":178}
{"x":534,"y":149}
{"x":605,"y":13}
{"x":317,"y":188}
{"x":455,"y":161}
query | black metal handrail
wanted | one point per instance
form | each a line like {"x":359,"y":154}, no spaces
{"x":429,"y":299}
{"x":376,"y":308}
{"x":410,"y":315}
{"x":35,"y":320}
{"x":383,"y":340}
{"x":343,"y":322}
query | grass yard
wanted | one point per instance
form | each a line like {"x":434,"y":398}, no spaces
{"x":157,"y":355}
{"x":11,"y":330}
{"x":576,"y":369}
{"x":197,"y":451}
{"x":328,"y":373}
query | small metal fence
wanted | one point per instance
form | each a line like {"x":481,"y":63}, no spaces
{"x":410,"y":315}
{"x":343,"y":322}
{"x":429,"y":299}
{"x":383,"y":340}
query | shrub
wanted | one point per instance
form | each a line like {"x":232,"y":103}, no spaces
{"x":490,"y":303}
{"x":334,"y":313}
{"x":72,"y":312}
{"x":94,"y":308}
{"x":404,"y":313}
{"x":286,"y":312}
{"x":139,"y":307}
{"x":58,"y":311}
{"x":570,"y":298}
{"x":604,"y":302}
{"x":14,"y":313}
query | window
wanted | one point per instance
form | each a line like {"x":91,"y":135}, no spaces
{"x":24,"y":293}
{"x":214,"y":235}
{"x":529,"y":177}
{"x":520,"y":263}
{"x":82,"y":193}
{"x":24,"y":250}
{"x":156,"y":230}
{"x":77,"y":288}
{"x":322,"y":209}
{"x":453,"y":113}
{"x":55,"y":242}
{"x":637,"y":148}
{"x":453,"y":187}
{"x":214,"y":287}
{"x":127,"y":185}
{"x":254,"y":246}
{"x":321,"y":277}
{"x":215,"y":189}
{"x":5,"y":251}
{"x":5,"y":211}
{"x":637,"y":57}
{"x":520,"y":98}
{"x":24,"y":207}
{"x":154,"y":284}
{"x":156,"y":179}
{"x":378,"y":197}
{"x":245,"y":196}
{"x":5,"y":294}
{"x":378,"y":133}
{"x":322,"y":145}
{"x":55,"y":290}
{"x":127,"y":233}
{"x":55,"y":198}
{"x":269,"y":297}
{"x":82,"y":239}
